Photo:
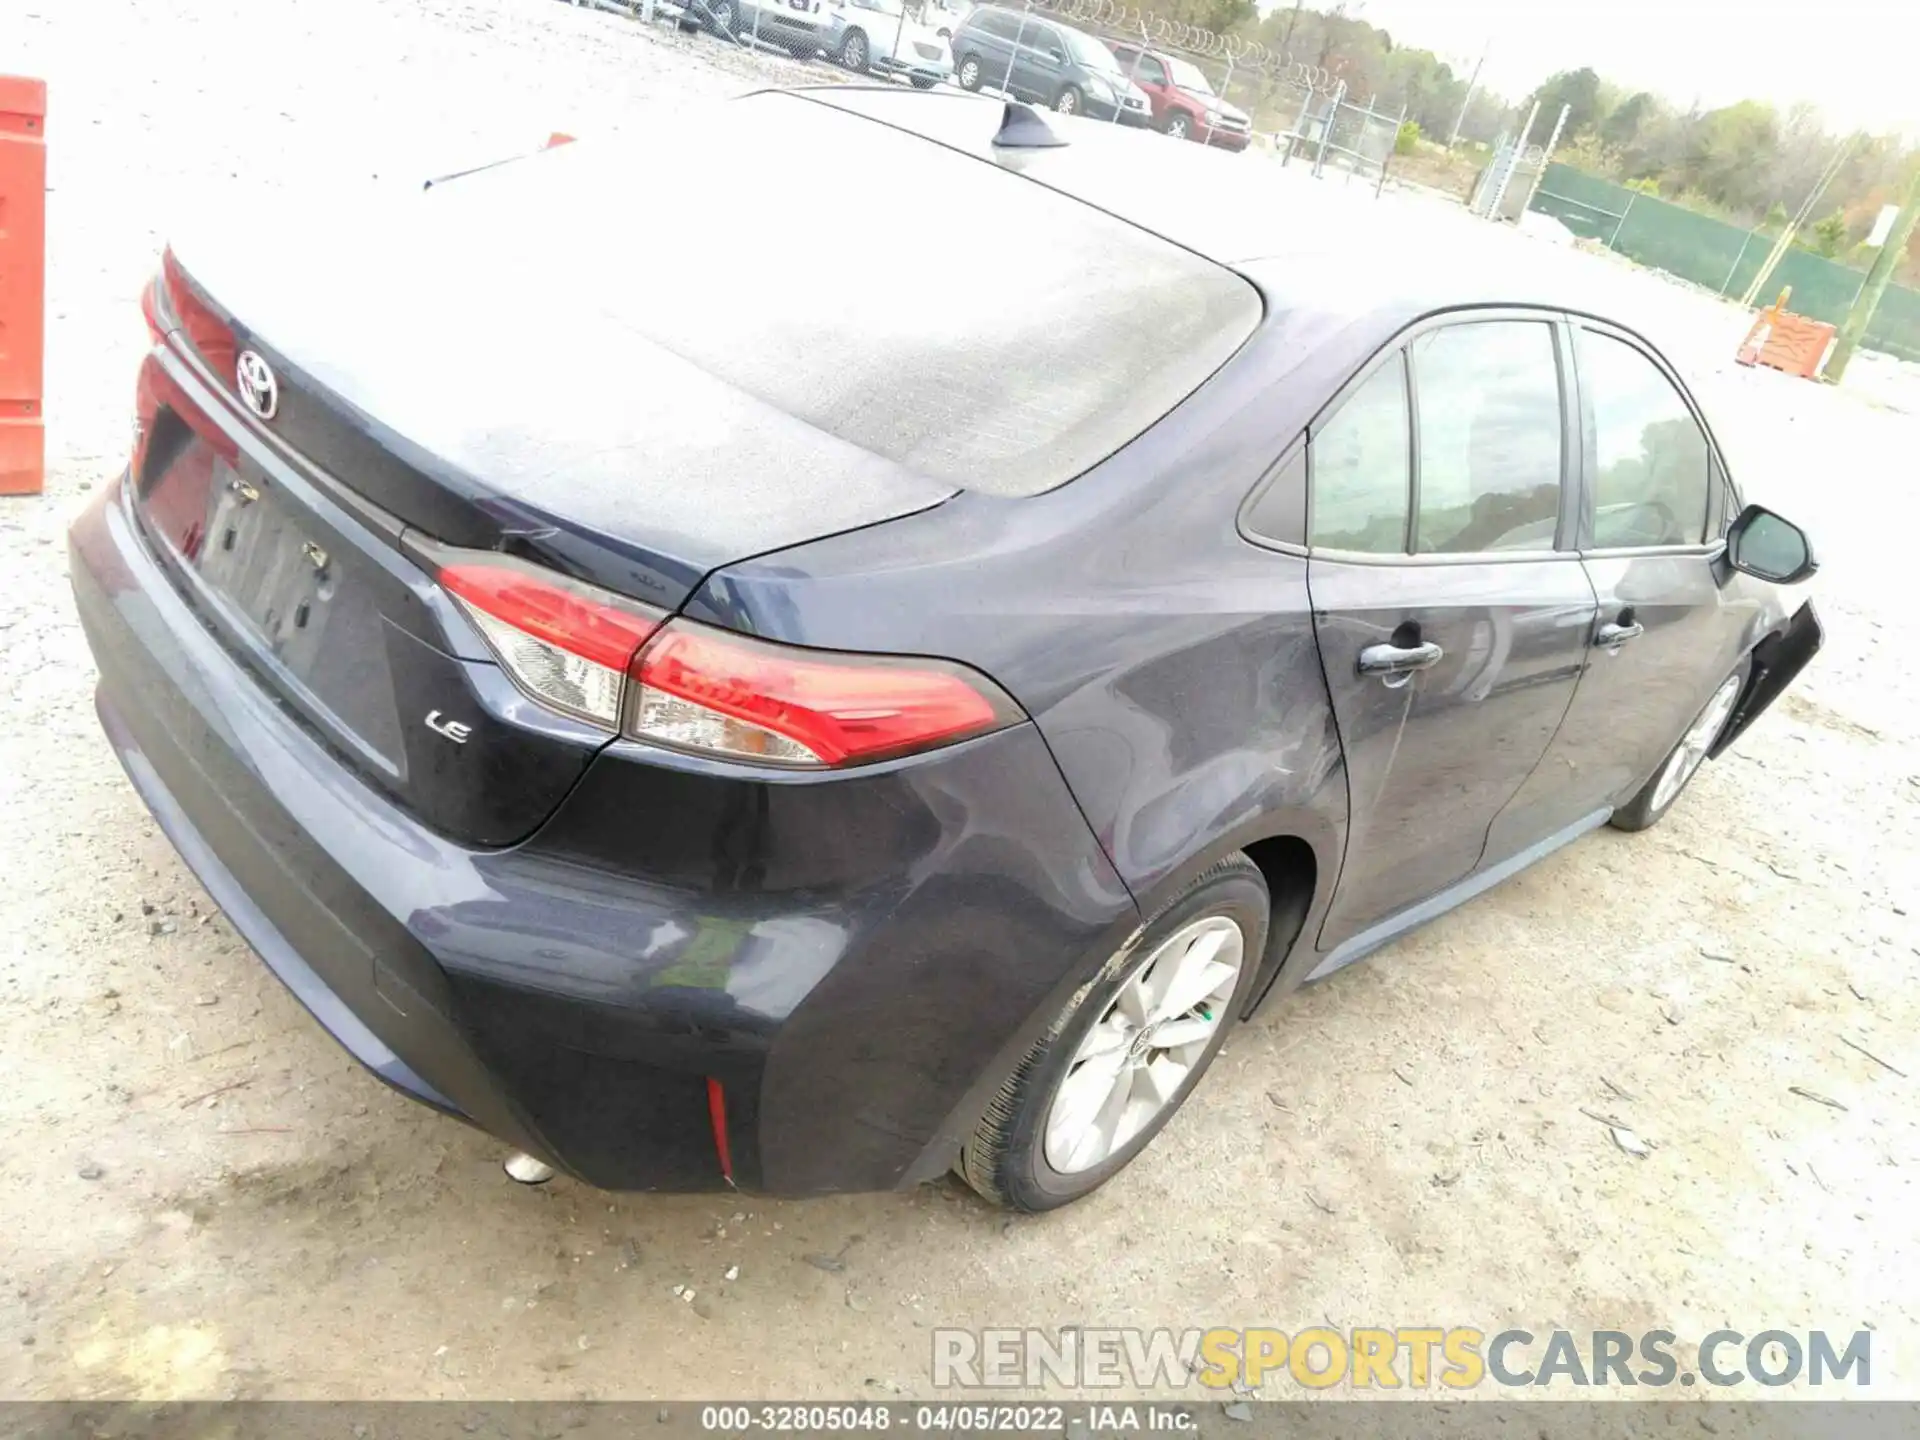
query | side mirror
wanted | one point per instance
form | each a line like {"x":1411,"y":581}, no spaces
{"x":1767,"y":547}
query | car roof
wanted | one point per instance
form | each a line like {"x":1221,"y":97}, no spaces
{"x":1027,"y":15}
{"x":1327,"y":245}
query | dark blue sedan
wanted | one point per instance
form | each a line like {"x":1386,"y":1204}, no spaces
{"x":708,"y":731}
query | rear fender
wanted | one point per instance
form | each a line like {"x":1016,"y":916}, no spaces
{"x":1319,"y":832}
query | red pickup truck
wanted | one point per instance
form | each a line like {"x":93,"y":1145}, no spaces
{"x":1184,"y":104}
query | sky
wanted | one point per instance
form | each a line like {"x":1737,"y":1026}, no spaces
{"x":1855,"y":59}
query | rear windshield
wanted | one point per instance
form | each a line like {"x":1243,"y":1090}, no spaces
{"x":981,"y":330}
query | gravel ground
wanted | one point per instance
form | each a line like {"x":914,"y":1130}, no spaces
{"x":203,"y":1196}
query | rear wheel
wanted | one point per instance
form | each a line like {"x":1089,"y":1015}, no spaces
{"x":969,"y":73}
{"x":726,"y":17}
{"x":853,"y":52}
{"x":1126,"y":1050}
{"x":1656,"y":797}
{"x":1067,"y":102}
{"x":1178,"y":125}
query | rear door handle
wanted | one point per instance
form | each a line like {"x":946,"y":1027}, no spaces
{"x":1611,"y":634}
{"x":1399,"y":659}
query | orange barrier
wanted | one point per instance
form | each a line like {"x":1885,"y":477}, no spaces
{"x":23,"y":284}
{"x":1787,"y":342}
{"x":1798,"y":345}
{"x":1762,"y":331}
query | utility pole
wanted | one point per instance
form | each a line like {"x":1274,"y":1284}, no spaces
{"x":1473,"y":86}
{"x":1878,"y":278}
{"x":1286,"y":40}
{"x":1785,"y":242}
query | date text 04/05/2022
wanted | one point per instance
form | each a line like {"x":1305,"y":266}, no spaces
{"x":943,"y":1419}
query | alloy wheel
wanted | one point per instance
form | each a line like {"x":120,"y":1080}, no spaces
{"x":1692,"y":749}
{"x":1069,"y":101}
{"x":854,"y":53}
{"x":1145,"y":1046}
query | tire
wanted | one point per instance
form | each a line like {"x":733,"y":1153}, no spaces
{"x":1655,"y":799}
{"x":969,"y":73}
{"x":854,"y":52}
{"x":1068,"y":101}
{"x":1025,"y":1157}
{"x":1179,"y":126}
{"x":726,"y":18}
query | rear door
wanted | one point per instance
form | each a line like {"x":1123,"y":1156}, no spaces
{"x":1670,"y":626}
{"x":1451,"y":608}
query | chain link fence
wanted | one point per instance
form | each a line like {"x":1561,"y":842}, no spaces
{"x":1722,"y":257}
{"x":1302,"y":112}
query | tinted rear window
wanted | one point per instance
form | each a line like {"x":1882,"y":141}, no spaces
{"x":956,"y":319}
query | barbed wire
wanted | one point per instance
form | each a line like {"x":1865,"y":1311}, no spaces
{"x":1240,"y":52}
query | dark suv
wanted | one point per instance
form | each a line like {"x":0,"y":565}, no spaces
{"x":1045,"y":62}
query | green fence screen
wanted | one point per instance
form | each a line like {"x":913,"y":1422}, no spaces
{"x":1720,"y":256}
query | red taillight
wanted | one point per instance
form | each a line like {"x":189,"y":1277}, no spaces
{"x":170,"y":302}
{"x":566,"y":643}
{"x":549,"y":609}
{"x":705,"y":689}
{"x":607,"y":659}
{"x":150,"y":311}
{"x":717,"y":1117}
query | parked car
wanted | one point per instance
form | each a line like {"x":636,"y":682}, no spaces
{"x":807,"y":744}
{"x":878,"y":36}
{"x":1045,"y":62}
{"x":1183,"y":100}
{"x":797,"y":26}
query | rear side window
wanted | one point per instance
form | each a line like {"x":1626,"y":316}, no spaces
{"x":1487,"y":395}
{"x":1361,"y":467}
{"x":992,"y":22}
{"x":1653,"y":471}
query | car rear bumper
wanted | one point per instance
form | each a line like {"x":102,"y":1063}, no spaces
{"x":853,"y":961}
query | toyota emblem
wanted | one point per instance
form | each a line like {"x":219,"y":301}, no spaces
{"x":258,"y":388}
